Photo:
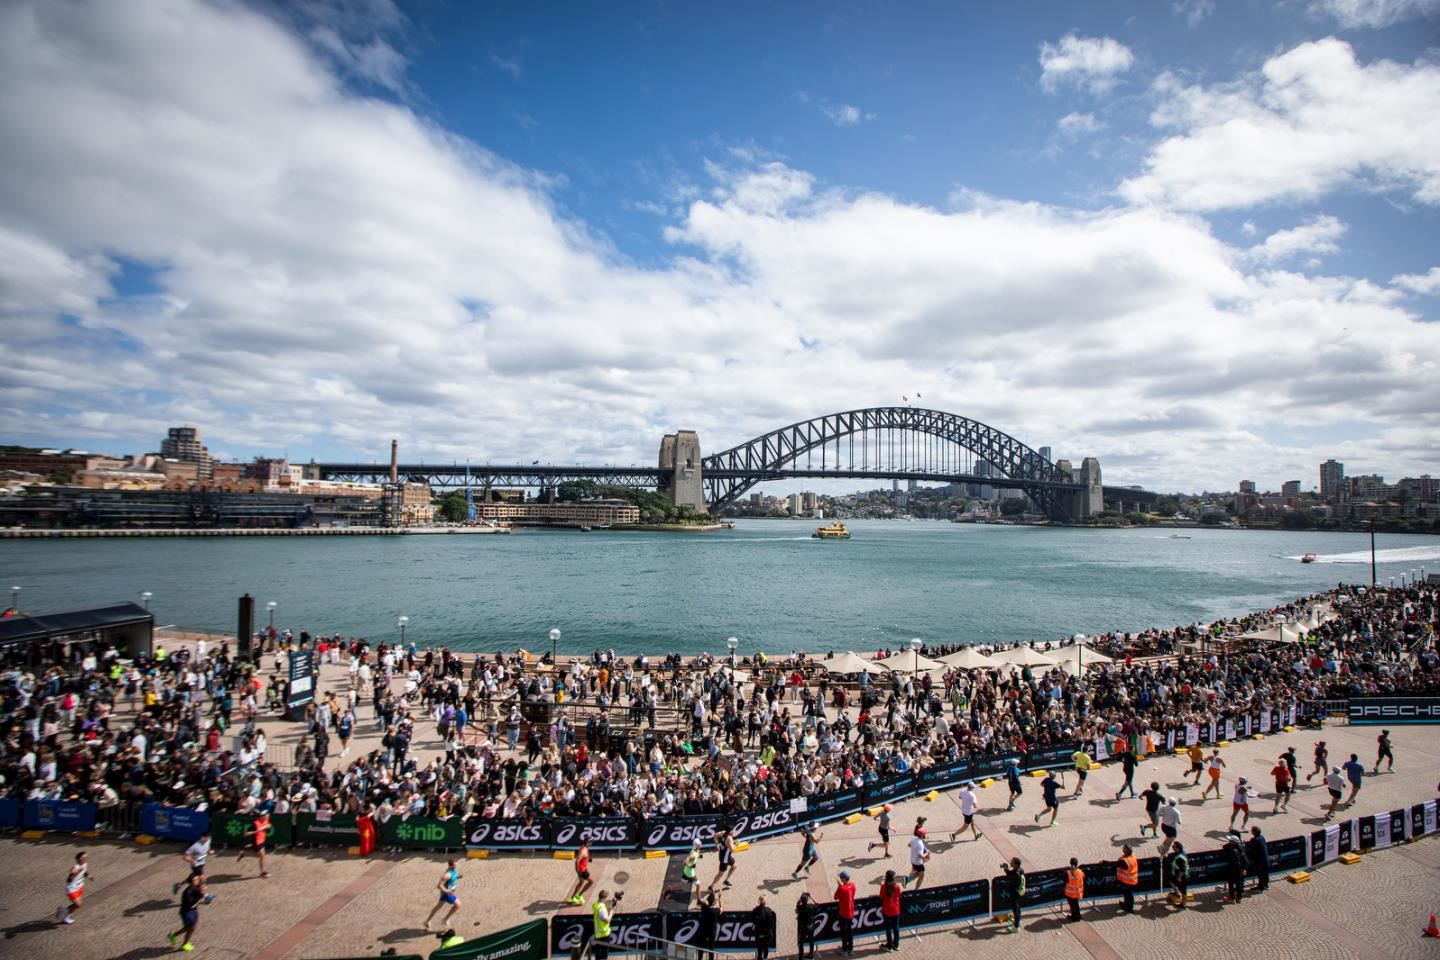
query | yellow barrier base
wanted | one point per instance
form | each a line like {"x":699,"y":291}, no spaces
{"x":144,"y":839}
{"x":854,"y":818}
{"x":90,"y":834}
{"x":655,"y":854}
{"x":932,"y":795}
{"x":1223,"y":743}
{"x":1038,"y":773}
{"x":988,"y":782}
{"x":477,"y":854}
{"x":875,"y":811}
{"x":1001,"y":918}
{"x":1189,"y":898}
{"x":1288,"y":729}
{"x":1350,"y":858}
{"x":33,"y":835}
{"x":564,"y":854}
{"x":1181,"y":751}
{"x":1259,"y":736}
{"x":742,"y":845}
{"x":1299,"y":876}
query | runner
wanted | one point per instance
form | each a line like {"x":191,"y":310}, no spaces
{"x":1240,"y":803}
{"x":1335,"y":782}
{"x":919,"y":853}
{"x":1284,"y":785}
{"x":260,"y":832}
{"x":190,"y":900}
{"x":809,"y":852}
{"x":726,"y":847}
{"x":1170,"y":820}
{"x":690,"y":869}
{"x":1049,"y":788}
{"x":1082,"y":770}
{"x":1322,"y":762}
{"x":884,"y":841}
{"x":74,"y":888}
{"x":1293,"y":762}
{"x":1154,"y":800}
{"x":1128,"y":763}
{"x":1197,"y":762}
{"x":448,"y":885}
{"x":1355,"y":772}
{"x":582,"y":875}
{"x":196,"y":854}
{"x":968,"y":803}
{"x":1213,"y":767}
{"x":1012,"y":780}
{"x":1385,"y":753}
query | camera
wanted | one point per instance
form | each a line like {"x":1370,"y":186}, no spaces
{"x":619,"y":895}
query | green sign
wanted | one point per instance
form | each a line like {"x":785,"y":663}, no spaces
{"x":525,"y":942}
{"x":230,"y":829}
{"x":338,"y":829}
{"x":423,"y":832}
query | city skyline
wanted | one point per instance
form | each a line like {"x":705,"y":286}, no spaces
{"x":1194,"y":240}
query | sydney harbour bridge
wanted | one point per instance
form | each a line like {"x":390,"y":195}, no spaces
{"x":877,"y":443}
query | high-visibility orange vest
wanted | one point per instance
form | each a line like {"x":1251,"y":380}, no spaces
{"x":1129,"y":872}
{"x":1075,"y":884}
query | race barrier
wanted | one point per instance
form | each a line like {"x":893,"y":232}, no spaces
{"x":1374,"y":711}
{"x":173,"y":823}
{"x":59,"y":815}
{"x":9,"y":813}
{"x":527,"y":941}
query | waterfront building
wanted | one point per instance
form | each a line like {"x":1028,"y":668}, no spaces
{"x":1332,"y":480}
{"x":1290,"y":489}
{"x":795,"y":504}
{"x":586,"y":512}
{"x":184,"y":443}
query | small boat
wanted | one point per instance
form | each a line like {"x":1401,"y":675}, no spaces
{"x":1178,"y":536}
{"x":834,"y":531}
{"x":584,"y":528}
{"x":1308,"y":558}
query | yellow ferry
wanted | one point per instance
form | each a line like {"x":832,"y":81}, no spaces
{"x":835,"y":531}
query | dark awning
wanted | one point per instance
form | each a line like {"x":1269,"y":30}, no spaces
{"x":24,"y":630}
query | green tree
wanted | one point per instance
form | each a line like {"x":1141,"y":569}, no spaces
{"x":1297,"y":520}
{"x":1212,"y":520}
{"x":1167,"y":506}
{"x":451,"y":506}
{"x":1012,"y":508}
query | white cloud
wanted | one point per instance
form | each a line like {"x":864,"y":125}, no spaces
{"x":1079,"y":124}
{"x":1194,"y":11}
{"x":845,"y":114}
{"x":326,"y":280}
{"x":1353,"y":14}
{"x":1092,"y":62}
{"x":1318,"y":235}
{"x":511,"y":65}
{"x":1313,"y":120}
{"x":1422,"y":283}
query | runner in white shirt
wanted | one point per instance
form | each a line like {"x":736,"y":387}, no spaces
{"x":919,"y":853}
{"x":196,"y":854}
{"x":968,"y":804}
{"x":74,"y":889}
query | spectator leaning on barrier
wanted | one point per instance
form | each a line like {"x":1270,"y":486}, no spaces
{"x":762,"y":920}
{"x":1127,"y":872}
{"x":890,"y":893}
{"x":1074,"y":888}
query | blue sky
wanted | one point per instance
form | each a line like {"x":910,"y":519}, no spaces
{"x":1196,"y":239}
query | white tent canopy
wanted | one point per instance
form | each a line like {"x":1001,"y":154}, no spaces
{"x":969,"y":658}
{"x":1280,"y":633}
{"x":851,"y":663}
{"x":1024,"y":656}
{"x":908,"y":660}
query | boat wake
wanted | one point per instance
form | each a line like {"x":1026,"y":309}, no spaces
{"x":1400,"y":555}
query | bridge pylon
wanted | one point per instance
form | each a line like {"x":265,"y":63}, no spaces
{"x":681,"y":475}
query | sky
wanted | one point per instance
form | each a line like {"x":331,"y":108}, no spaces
{"x":1198,"y":239}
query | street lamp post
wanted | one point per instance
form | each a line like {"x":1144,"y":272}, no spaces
{"x":554,"y":648}
{"x":1372,"y":551}
{"x":145,"y":596}
{"x":915,"y":644}
{"x":271,"y":607}
{"x":732,"y":643}
{"x":402,"y":623}
{"x":15,"y":599}
{"x":1079,"y":654}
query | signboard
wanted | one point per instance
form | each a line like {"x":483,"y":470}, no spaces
{"x":228,"y":830}
{"x":868,"y":919}
{"x":175,"y":823}
{"x":993,"y":765}
{"x":734,"y":931}
{"x":602,"y":833}
{"x":301,"y":690}
{"x":832,"y":806}
{"x":9,"y":812}
{"x":1289,"y":854}
{"x":524,"y":942}
{"x":421,"y":832}
{"x":337,"y":829}
{"x":1041,"y":887}
{"x":947,"y":904}
{"x":764,"y":823}
{"x":60,"y":815}
{"x":890,"y":788}
{"x":680,"y":833}
{"x":1051,"y":755}
{"x":627,"y":931}
{"x":1101,"y":879}
{"x":497,"y":834}
{"x":942,"y":775}
{"x":1372,"y":711}
{"x":1207,"y":867}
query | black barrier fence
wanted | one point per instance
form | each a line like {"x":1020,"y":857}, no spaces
{"x":1051,"y":755}
{"x":1392,"y":711}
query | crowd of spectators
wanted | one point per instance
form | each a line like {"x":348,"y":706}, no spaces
{"x":492,"y":735}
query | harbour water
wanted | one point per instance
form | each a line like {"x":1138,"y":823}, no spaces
{"x":766,"y":582}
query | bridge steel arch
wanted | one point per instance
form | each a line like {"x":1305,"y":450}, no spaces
{"x":730,"y":473}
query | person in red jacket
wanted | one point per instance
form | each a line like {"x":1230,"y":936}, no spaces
{"x":890,"y":910}
{"x":845,"y":910}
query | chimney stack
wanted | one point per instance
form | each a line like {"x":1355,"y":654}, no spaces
{"x":394,"y":461}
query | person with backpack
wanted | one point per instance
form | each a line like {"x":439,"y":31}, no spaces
{"x":1179,"y":875}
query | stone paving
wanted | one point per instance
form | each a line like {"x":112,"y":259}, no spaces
{"x":328,"y":904}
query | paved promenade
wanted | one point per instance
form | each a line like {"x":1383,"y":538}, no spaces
{"x":328,"y":904}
